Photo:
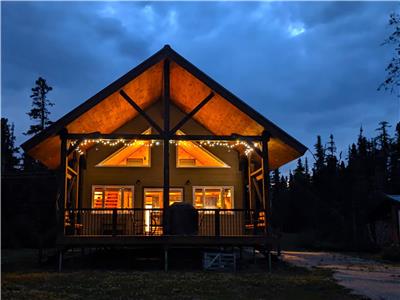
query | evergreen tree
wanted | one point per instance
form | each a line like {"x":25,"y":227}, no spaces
{"x":40,"y":104}
{"x":9,"y":153}
{"x":307,"y":170}
{"x":394,"y":168}
{"x":331,"y":158}
{"x":383,"y":139}
{"x":300,"y":170}
{"x":319,"y":156}
{"x":392,"y":81}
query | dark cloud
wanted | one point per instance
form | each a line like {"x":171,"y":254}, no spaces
{"x":313,"y":68}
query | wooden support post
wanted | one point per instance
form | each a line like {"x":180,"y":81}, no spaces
{"x":62,"y":185}
{"x":82,"y":164}
{"x":77,"y":182}
{"x":251,"y":205}
{"x":166,"y":139}
{"x":217,"y":223}
{"x":60,"y":259}
{"x":265,"y":172}
{"x":269,"y":261}
{"x":166,"y":259}
{"x":114,"y":222}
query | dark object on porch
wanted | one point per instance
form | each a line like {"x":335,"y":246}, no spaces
{"x":183,"y":219}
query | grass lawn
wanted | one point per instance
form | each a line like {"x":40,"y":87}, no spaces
{"x":21,"y":279}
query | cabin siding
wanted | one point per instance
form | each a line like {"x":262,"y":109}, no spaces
{"x":151,"y":177}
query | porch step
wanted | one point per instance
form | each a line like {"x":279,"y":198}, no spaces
{"x":219,"y":261}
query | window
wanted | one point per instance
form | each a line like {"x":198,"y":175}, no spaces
{"x":112,"y":196}
{"x":191,"y":155}
{"x":213,"y":197}
{"x":135,"y":155}
{"x":153,"y":197}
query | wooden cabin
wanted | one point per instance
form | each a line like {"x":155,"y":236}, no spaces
{"x":163,"y":133}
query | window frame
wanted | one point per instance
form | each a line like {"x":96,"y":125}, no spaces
{"x":104,"y":187}
{"x":146,"y":144}
{"x":220,"y":187}
{"x":178,"y":166}
{"x":160,"y":189}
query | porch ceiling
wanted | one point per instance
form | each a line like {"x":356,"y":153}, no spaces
{"x":107,"y":111}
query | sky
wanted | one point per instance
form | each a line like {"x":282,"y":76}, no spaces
{"x":312,"y":68}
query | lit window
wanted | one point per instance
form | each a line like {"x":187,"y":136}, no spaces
{"x":137,"y":154}
{"x":213,"y":197}
{"x":190,"y":154}
{"x":153,"y":198}
{"x":112,"y":197}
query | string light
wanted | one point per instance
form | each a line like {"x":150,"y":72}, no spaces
{"x":248,"y":148}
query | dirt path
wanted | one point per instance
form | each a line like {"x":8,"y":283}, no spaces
{"x":364,"y":277}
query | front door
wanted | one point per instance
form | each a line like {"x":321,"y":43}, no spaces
{"x":153,"y":202}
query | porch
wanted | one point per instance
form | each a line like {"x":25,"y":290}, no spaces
{"x":144,"y":222}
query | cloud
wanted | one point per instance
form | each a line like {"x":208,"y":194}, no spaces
{"x":313,"y":68}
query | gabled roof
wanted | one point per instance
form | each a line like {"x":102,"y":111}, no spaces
{"x":106,"y":111}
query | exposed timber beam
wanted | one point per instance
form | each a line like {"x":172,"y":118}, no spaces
{"x":192,"y":113}
{"x":166,"y":138}
{"x":71,"y":149}
{"x":62,"y":184}
{"x":265,"y":174}
{"x":256,"y":172}
{"x":258,"y":193}
{"x":233,"y":137}
{"x":141,"y":111}
{"x":72,"y":171}
{"x":113,"y":136}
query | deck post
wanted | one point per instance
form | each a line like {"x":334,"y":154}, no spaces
{"x":165,"y":259}
{"x":114,"y":222}
{"x":62,"y":185}
{"x":166,"y":138}
{"x":60,"y":259}
{"x":251,"y":204}
{"x":217,"y":226}
{"x":269,"y":261}
{"x":265,"y":182}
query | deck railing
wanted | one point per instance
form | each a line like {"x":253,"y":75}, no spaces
{"x":149,"y":222}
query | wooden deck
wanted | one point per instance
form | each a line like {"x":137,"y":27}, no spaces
{"x":167,"y":241}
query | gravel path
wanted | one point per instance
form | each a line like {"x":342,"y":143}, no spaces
{"x":364,"y":277}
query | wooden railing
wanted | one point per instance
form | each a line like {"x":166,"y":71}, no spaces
{"x":142,"y":222}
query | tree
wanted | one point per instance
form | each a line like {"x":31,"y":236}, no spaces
{"x":40,"y":105}
{"x":392,"y":81}
{"x":9,"y":158}
{"x":383,"y":139}
{"x":319,"y":156}
{"x":394,"y":167}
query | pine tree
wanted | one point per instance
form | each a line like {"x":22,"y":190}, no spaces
{"x":394,"y":168}
{"x":299,"y":171}
{"x":383,"y":139}
{"x":392,"y":81}
{"x":9,"y":153}
{"x":40,"y":104}
{"x":307,"y":171}
{"x":331,"y":147}
{"x":319,"y":156}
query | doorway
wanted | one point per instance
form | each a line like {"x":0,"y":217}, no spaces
{"x":153,"y":203}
